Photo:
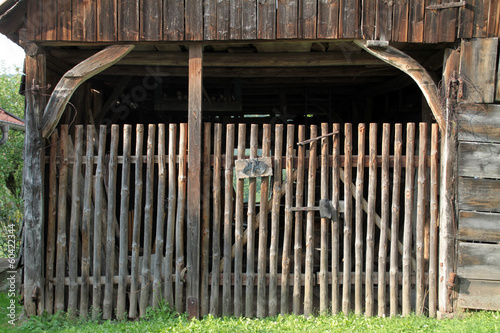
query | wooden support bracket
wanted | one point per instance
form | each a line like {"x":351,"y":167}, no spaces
{"x":74,"y":78}
{"x":410,"y":66}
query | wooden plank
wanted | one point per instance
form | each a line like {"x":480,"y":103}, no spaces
{"x":83,"y":26}
{"x":249,"y":14}
{"x":447,"y":23}
{"x":76,"y":215}
{"x":478,"y":261}
{"x":479,"y":194}
{"x":194,"y":22}
{"x":480,"y":23}
{"x":299,"y":199}
{"x":346,"y":292}
{"x":479,"y":160}
{"x":494,"y":19}
{"x":359,"y":221}
{"x":479,"y":226}
{"x":479,"y":294}
{"x":287,"y":234}
{"x":479,"y":123}
{"x":106,"y":20}
{"x":150,"y":20}
{"x":172,"y":201}
{"x":173,"y":20}
{"x":309,"y":239}
{"x":434,"y":212}
{"x":416,"y":21}
{"x":307,"y":19}
{"x":110,"y":230}
{"x":222,"y":19}
{"x":400,"y":21}
{"x":144,"y":301}
{"x":408,"y":214}
{"x":336,"y":220}
{"x":477,"y":58}
{"x":384,"y":222}
{"x":63,"y":26}
{"x":370,"y":222}
{"x":217,"y":216}
{"x":179,"y":221}
{"x":194,"y":174}
{"x":369,"y":17}
{"x":395,"y":209}
{"x":160,"y":217}
{"x":34,"y":22}
{"x":431,"y":20}
{"x":128,"y":20}
{"x":466,"y":20}
{"x":124,"y":223}
{"x":205,"y":218}
{"x":228,"y":220}
{"x":61,"y":221}
{"x":136,"y":232}
{"x":349,"y":19}
{"x":383,"y":25}
{"x":98,"y":217}
{"x":238,"y":229}
{"x":287,"y":23}
{"x":266,"y":19}
{"x":323,"y":270}
{"x":328,"y":19}
{"x":210,"y":19}
{"x":235,"y":19}
{"x":249,"y":301}
{"x":275,"y":216}
{"x":261,"y":256}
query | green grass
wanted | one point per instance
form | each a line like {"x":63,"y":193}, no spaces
{"x":165,"y":320}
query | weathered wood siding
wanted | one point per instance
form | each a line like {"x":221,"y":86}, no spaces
{"x":194,"y":20}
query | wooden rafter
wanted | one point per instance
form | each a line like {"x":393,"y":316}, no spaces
{"x":74,"y":78}
{"x":408,"y":65}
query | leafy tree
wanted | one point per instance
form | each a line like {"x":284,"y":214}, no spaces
{"x":11,"y":162}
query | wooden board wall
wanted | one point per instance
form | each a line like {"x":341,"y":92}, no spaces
{"x":194,"y":20}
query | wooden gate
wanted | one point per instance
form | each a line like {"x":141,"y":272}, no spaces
{"x":295,"y":219}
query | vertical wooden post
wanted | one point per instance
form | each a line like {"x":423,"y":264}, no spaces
{"x":335,"y":221}
{"x":358,"y":242}
{"x":299,"y":199}
{"x":33,"y":187}
{"x":434,"y":211}
{"x":194,"y":177}
{"x":214,"y":298}
{"x":323,"y":270}
{"x":346,"y":283}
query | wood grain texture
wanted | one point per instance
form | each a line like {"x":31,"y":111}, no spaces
{"x":448,"y":19}
{"x":346,"y":292}
{"x":266,"y":19}
{"x":478,"y":261}
{"x":466,"y":20}
{"x":349,"y":16}
{"x":307,"y":19}
{"x":83,"y":26}
{"x":383,"y":24}
{"x":249,"y":25}
{"x":416,"y":21}
{"x":210,"y":19}
{"x":150,"y":20}
{"x":173,"y":20}
{"x":63,"y":25}
{"x":400,"y":21}
{"x":434,"y":213}
{"x":217,"y":217}
{"x":128,"y":20}
{"x":479,"y":194}
{"x":299,"y":199}
{"x":479,"y":123}
{"x":322,"y":276}
{"x":479,"y":226}
{"x":287,"y":22}
{"x":194,"y":23}
{"x":479,"y":294}
{"x":205,"y":221}
{"x":222,"y":19}
{"x":369,"y":17}
{"x":479,"y":160}
{"x":335,"y":225}
{"x":235,"y":19}
{"x":359,"y":222}
{"x":431,"y":20}
{"x":106,"y":16}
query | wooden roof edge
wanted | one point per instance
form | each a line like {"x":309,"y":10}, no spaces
{"x":12,"y":14}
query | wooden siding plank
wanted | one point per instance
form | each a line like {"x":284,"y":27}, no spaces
{"x":479,"y":160}
{"x":328,"y":19}
{"x":383,"y":25}
{"x":64,"y":20}
{"x":479,"y":194}
{"x":416,"y":21}
{"x":479,"y":294}
{"x":494,"y":19}
{"x":106,"y":20}
{"x":466,"y":20}
{"x":194,"y":21}
{"x":173,"y":20}
{"x":478,"y":57}
{"x":235,"y":19}
{"x":222,"y":19}
{"x":47,"y":29}
{"x":128,"y":20}
{"x":431,"y":22}
{"x":479,"y":123}
{"x":210,"y":19}
{"x":249,"y":25}
{"x":369,"y":15}
{"x":151,"y":20}
{"x":478,"y":261}
{"x":83,"y":20}
{"x":266,"y":19}
{"x":307,"y":19}
{"x":34,"y":20}
{"x":480,"y":22}
{"x":287,"y":26}
{"x":447,"y":23}
{"x":479,"y":226}
{"x":400,"y":21}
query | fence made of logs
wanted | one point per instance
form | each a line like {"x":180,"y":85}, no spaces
{"x":295,"y":219}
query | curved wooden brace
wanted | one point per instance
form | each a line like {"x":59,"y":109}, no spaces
{"x":410,"y":66}
{"x":74,"y":78}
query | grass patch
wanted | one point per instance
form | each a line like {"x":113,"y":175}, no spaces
{"x":166,"y":320}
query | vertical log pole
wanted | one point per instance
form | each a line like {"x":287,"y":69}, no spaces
{"x":217,"y":215}
{"x":33,"y":187}
{"x":335,"y":221}
{"x":407,"y":231}
{"x":252,"y":186}
{"x":370,"y":224}
{"x":323,"y":268}
{"x":311,"y":188}
{"x":179,"y":222}
{"x":358,"y":243}
{"x":346,"y":283}
{"x":419,"y":245}
{"x":396,"y":189}
{"x":124,"y":221}
{"x":299,"y":201}
{"x":287,"y":236}
{"x":194,"y":178}
{"x":384,"y":221}
{"x":238,"y":229}
{"x":433,"y":246}
{"x":275,"y":217}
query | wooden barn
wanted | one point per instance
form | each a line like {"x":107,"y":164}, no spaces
{"x":251,"y":158}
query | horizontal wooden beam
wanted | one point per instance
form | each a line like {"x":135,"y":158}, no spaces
{"x":234,"y":59}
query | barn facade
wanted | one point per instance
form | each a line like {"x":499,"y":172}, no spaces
{"x":251,"y":158}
